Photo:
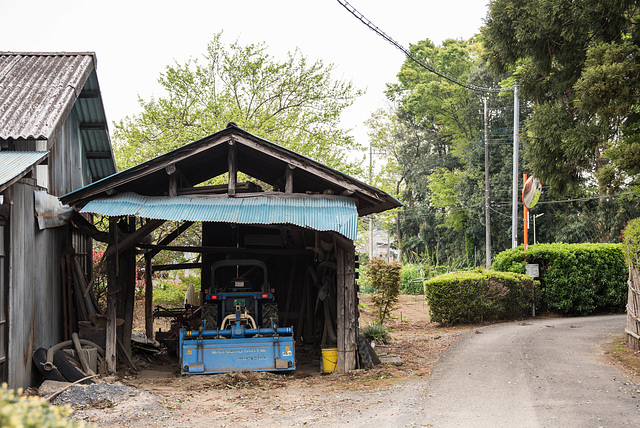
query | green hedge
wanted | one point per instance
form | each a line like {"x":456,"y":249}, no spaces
{"x":577,"y":279}
{"x":479,"y":295}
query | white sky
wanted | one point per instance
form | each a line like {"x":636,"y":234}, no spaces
{"x":134,"y":39}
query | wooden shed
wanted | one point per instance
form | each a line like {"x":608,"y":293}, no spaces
{"x":296,"y":215}
{"x":53,"y":140}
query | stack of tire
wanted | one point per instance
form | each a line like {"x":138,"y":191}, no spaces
{"x":65,"y":367}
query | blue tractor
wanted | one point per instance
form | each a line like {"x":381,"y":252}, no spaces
{"x":239,"y":325}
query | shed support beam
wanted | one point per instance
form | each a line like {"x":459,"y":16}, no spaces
{"x":233,"y":169}
{"x":148,"y":296}
{"x":112,"y":301}
{"x":288,"y":179}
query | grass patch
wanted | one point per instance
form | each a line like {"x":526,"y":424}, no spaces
{"x":620,"y":352}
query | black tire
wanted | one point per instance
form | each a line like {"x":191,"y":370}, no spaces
{"x":269,"y":313}
{"x":39,"y":358}
{"x":210,"y":315}
{"x":62,"y":360}
{"x":368,"y":356}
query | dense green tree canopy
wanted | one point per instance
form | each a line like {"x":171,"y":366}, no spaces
{"x":578,"y":63}
{"x":294,"y":103}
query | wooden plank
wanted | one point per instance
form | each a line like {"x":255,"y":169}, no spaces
{"x":177,"y":266}
{"x":289,"y":291}
{"x":112,"y":302}
{"x":233,"y":168}
{"x":225,"y":250}
{"x":148,"y":296}
{"x":170,"y":237}
{"x":340,"y":287}
{"x":288,"y":179}
{"x":351,"y":311}
{"x":134,"y":238}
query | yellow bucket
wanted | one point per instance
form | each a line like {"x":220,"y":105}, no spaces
{"x":329,"y":360}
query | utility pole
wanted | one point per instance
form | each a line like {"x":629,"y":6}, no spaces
{"x":516,"y":149}
{"x":370,"y":215}
{"x":487,"y":215}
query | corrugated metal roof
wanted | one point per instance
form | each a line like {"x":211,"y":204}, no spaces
{"x":14,"y":165}
{"x":38,"y":91}
{"x":321,"y":213}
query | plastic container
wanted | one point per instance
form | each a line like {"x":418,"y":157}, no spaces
{"x":329,"y":360}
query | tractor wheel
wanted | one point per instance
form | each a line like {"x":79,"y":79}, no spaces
{"x":210,"y":316}
{"x":269,"y":313}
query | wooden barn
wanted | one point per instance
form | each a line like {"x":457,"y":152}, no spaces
{"x":53,"y":140}
{"x":296,"y":215}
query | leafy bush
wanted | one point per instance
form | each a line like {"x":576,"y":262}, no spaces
{"x":631,"y":242}
{"x":18,"y":411}
{"x":411,"y":279}
{"x":385,"y":279}
{"x":375,"y":331}
{"x":479,"y":295}
{"x":576,"y":278}
{"x":169,"y":293}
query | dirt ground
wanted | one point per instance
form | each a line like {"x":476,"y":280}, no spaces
{"x":305,"y":397}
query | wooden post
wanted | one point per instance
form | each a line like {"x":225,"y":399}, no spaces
{"x":173,"y":182}
{"x":112,"y":299}
{"x":288,"y":179}
{"x":126,"y":290}
{"x":342,"y":318}
{"x":148,"y":296}
{"x":233,"y":169}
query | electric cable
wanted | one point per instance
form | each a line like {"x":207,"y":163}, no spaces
{"x":415,"y":59}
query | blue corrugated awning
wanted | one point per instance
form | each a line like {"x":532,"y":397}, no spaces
{"x":14,"y":165}
{"x":319,"y":213}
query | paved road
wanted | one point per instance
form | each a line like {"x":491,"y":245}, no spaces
{"x":541,"y":373}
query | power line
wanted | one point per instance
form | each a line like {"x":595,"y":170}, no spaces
{"x":415,"y":59}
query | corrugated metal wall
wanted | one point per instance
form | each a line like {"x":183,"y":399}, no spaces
{"x":34,"y":286}
{"x":68,"y":169}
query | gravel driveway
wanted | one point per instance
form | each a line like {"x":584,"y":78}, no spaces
{"x":540,"y":373}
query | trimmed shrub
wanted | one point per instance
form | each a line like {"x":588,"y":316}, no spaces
{"x":480,"y":295}
{"x":411,"y":279}
{"x":18,"y":411}
{"x":577,"y":279}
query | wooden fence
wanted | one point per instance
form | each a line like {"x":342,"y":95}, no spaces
{"x":633,"y":309}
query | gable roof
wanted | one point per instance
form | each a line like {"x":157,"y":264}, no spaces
{"x":208,"y":157}
{"x":38,"y":90}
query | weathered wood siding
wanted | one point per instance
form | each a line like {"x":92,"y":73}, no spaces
{"x":34,"y":285}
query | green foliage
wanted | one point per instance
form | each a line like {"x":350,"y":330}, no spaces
{"x":385,"y":279}
{"x":170,"y":294}
{"x":375,"y":331}
{"x":411,"y":279}
{"x":578,"y":279}
{"x":578,"y":64}
{"x":632,"y":242}
{"x":18,"y":411}
{"x":480,"y":295}
{"x":294,"y":103}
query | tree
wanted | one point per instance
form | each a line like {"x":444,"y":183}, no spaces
{"x":437,"y":146}
{"x":294,"y":103}
{"x":578,"y":62}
